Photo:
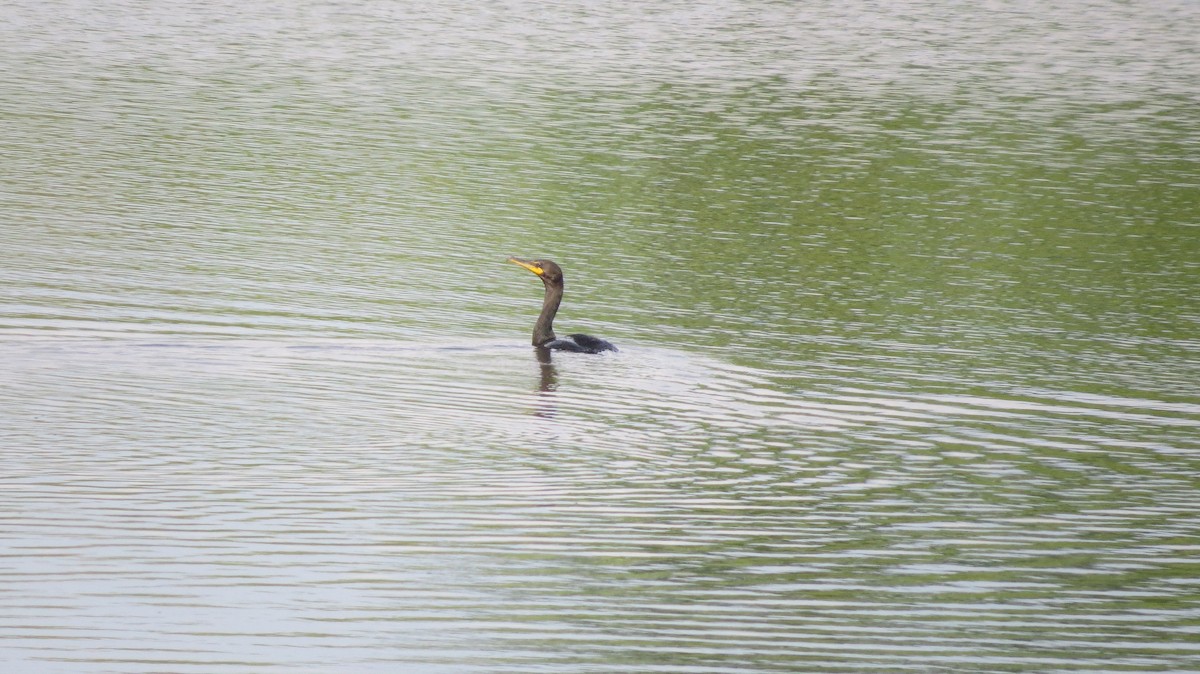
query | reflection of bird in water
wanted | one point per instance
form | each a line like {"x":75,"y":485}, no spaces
{"x":547,"y":385}
{"x":543,"y":331}
{"x":548,"y":382}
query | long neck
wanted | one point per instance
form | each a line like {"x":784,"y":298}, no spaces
{"x":543,"y":330}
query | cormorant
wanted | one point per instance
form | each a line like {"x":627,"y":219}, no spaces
{"x":543,"y":331}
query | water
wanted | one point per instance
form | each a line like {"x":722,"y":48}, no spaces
{"x":905,"y":296}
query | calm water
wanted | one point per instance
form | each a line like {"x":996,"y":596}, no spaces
{"x":908,"y":298}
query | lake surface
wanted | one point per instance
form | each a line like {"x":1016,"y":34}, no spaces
{"x":907,"y":297}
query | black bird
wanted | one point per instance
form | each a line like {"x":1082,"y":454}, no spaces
{"x":543,"y":331}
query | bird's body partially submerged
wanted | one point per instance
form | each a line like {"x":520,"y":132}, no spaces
{"x":543,"y":330}
{"x":579,"y":343}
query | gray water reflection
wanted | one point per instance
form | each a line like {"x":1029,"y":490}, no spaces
{"x":443,"y":508}
{"x":906,"y":298}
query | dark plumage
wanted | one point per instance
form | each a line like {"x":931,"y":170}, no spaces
{"x":543,"y":331}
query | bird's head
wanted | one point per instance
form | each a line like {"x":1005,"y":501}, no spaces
{"x":547,"y":270}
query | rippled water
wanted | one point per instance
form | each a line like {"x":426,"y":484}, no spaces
{"x":906,"y":298}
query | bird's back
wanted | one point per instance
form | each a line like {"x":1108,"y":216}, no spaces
{"x":581,"y":343}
